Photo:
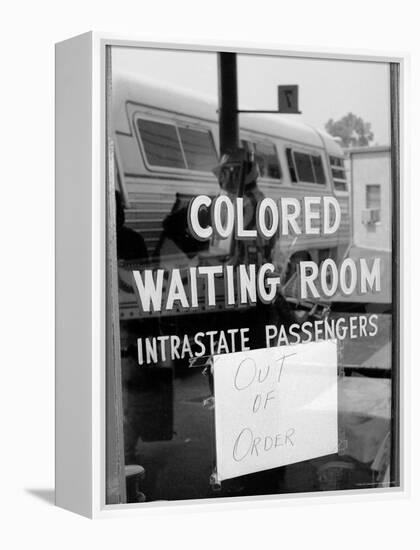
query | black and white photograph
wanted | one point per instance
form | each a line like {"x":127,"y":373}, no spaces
{"x":252,"y":283}
{"x":209,"y":306}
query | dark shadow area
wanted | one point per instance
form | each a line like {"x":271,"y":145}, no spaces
{"x":47,"y":495}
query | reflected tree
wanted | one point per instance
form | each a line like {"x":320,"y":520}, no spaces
{"x":351,"y":129}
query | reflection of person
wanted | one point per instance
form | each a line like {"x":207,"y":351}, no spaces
{"x":256,"y":250}
{"x":130,"y":244}
{"x":176,"y":237}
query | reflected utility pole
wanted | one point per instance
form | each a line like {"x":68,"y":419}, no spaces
{"x":228,"y":103}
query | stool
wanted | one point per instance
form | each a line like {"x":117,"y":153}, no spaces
{"x":134,"y":473}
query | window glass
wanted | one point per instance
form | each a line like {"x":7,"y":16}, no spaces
{"x":304,"y":167}
{"x":161,"y":144}
{"x":318,"y":169}
{"x":199,"y":149}
{"x":373,"y":196}
{"x":338,"y":173}
{"x":337,"y":162}
{"x":291,"y":165}
{"x":309,"y":168}
{"x":260,"y":419}
{"x":268,"y":162}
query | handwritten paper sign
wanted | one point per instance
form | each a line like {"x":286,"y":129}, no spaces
{"x":275,"y":406}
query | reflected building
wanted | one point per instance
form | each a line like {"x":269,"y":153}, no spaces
{"x":370,"y":176}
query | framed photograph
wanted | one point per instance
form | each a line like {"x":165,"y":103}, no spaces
{"x":228,"y":274}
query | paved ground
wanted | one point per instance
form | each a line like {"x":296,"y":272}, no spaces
{"x":372,"y":352}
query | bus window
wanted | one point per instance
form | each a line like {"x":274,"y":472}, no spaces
{"x":291,"y":165}
{"x":199,"y":149}
{"x":338,"y":173}
{"x":268,"y":162}
{"x":305,"y":168}
{"x":161,"y":144}
{"x":169,"y":146}
{"x":318,"y":169}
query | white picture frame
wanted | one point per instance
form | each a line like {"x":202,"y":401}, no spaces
{"x":82,"y":161}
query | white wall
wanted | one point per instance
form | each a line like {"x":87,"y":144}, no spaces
{"x":371,"y":167}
